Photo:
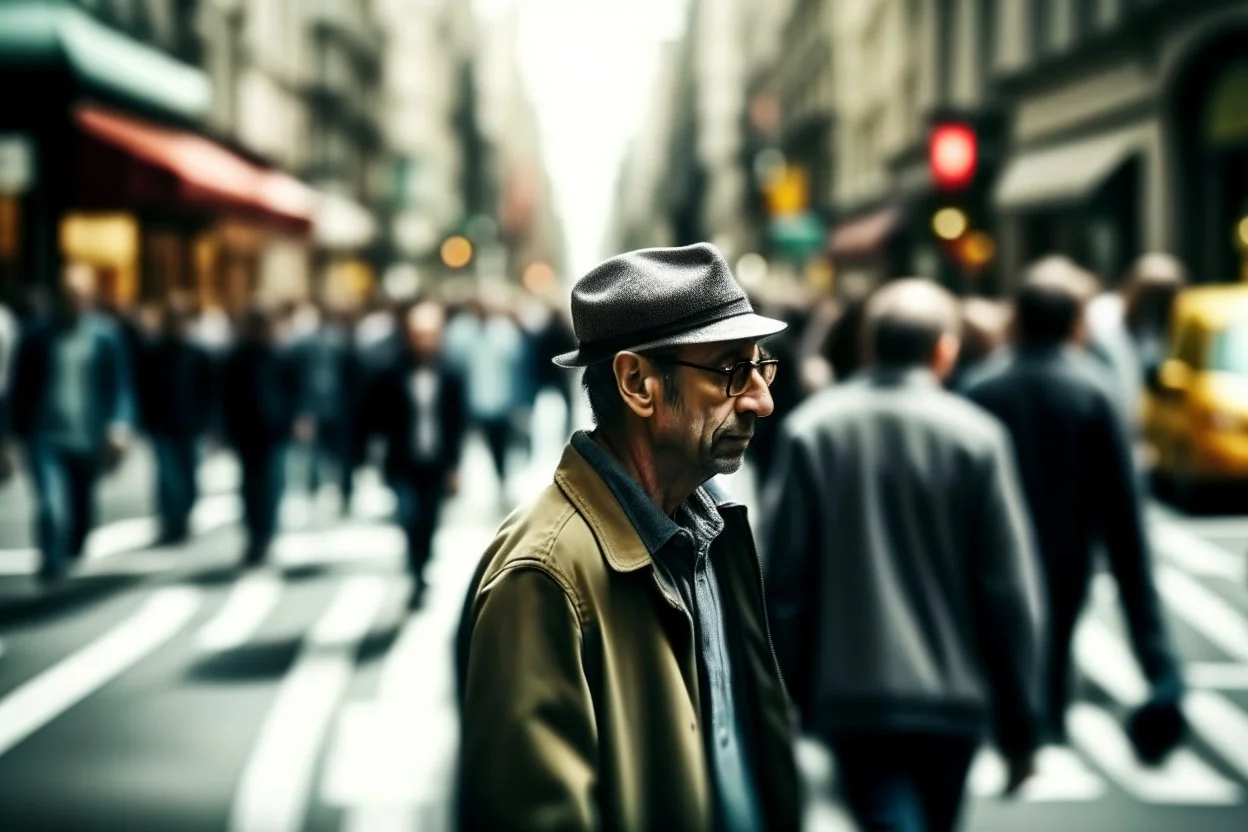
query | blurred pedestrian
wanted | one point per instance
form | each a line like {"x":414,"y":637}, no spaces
{"x":550,"y":335}
{"x":73,"y":404}
{"x":901,"y":579}
{"x":985,"y":325}
{"x":487,"y":344}
{"x":330,"y":379}
{"x":1074,"y":454}
{"x":10,"y":332}
{"x":1130,"y":329}
{"x":421,"y":413}
{"x":614,"y":664}
{"x":259,"y":393}
{"x":178,"y":399}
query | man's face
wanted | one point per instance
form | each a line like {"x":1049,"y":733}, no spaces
{"x":698,"y":421}
{"x":425,"y":323}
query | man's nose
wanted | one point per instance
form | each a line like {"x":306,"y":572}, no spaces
{"x":756,"y":398}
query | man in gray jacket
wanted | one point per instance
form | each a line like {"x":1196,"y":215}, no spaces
{"x":902,"y":583}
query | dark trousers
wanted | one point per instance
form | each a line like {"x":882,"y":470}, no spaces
{"x":498,"y":433}
{"x":64,"y":482}
{"x":904,"y":782}
{"x":1067,"y":586}
{"x":419,"y":492}
{"x":335,"y":442}
{"x":264,"y":481}
{"x":176,"y":486}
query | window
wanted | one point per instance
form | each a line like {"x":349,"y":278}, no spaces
{"x":1230,"y":351}
{"x":1086,"y":14}
{"x":986,"y":35}
{"x":1041,"y":20}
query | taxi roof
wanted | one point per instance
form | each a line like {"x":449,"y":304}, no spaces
{"x":1214,"y":306}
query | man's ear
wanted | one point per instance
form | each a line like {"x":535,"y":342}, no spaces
{"x":636,"y":384}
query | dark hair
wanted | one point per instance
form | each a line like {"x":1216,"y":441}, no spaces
{"x":905,"y":319}
{"x":1050,"y":303}
{"x":605,"y":405}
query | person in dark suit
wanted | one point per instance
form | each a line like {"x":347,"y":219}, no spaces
{"x":330,"y":374}
{"x":419,"y":408}
{"x":1074,"y":452}
{"x":176,"y":384}
{"x":259,"y":391}
{"x":73,"y":405}
{"x":902,"y":585}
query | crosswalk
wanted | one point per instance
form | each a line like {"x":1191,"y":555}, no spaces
{"x":382,"y":758}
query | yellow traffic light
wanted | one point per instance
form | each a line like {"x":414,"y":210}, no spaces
{"x":949,"y":223}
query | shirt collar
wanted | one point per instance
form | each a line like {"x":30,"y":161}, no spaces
{"x":654,"y":527}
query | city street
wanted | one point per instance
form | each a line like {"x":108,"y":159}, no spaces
{"x":166,"y":689}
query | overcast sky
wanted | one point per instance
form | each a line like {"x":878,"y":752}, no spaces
{"x":589,"y":66}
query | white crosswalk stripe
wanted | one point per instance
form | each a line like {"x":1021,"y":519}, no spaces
{"x":277,"y":779}
{"x":45,"y":697}
{"x":1183,"y":779}
{"x":1205,"y":611}
{"x":249,"y":603}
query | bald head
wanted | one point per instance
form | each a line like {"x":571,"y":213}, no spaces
{"x":1153,"y":282}
{"x":1050,"y":304}
{"x":911,"y":322}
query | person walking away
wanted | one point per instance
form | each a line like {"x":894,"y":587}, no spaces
{"x":420,"y":408}
{"x":1129,"y":329}
{"x":259,"y":388}
{"x":73,"y":405}
{"x":613,"y":660}
{"x":1074,"y":453}
{"x":901,"y":574}
{"x":177,"y":383}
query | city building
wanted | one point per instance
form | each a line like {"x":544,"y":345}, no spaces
{"x":1127,"y":132}
{"x":111,"y":156}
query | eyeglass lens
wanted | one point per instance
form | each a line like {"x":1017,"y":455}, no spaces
{"x":740,"y":379}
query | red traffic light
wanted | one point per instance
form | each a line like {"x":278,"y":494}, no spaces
{"x":952,"y":154}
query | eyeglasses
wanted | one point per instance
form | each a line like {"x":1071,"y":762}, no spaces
{"x":738,"y":374}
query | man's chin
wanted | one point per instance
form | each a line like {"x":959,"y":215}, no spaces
{"x":727,"y":464}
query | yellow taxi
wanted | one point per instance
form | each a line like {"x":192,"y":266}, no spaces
{"x":1196,"y":414}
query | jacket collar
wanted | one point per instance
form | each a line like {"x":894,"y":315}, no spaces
{"x":587,"y":488}
{"x":899,"y":376}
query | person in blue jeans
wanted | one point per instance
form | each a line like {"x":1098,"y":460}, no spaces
{"x":73,"y":405}
{"x":259,"y":389}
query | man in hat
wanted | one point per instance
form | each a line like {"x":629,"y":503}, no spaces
{"x":614,"y":665}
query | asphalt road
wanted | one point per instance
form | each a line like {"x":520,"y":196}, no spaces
{"x":166,"y":689}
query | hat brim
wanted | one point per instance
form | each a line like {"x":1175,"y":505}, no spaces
{"x":738,"y":328}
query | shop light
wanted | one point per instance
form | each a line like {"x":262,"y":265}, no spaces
{"x":456,"y":252}
{"x":949,"y":223}
{"x":1241,"y":233}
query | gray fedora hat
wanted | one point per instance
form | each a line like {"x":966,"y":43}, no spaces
{"x":660,"y":297}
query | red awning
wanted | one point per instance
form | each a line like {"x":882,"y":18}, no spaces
{"x":204,"y":173}
{"x":864,"y":235}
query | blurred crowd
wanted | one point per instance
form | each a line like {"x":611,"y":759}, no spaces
{"x":393,"y":383}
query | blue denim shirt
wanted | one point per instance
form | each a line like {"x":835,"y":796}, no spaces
{"x":682,"y":551}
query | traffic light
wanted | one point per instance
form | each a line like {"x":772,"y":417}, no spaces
{"x":953,"y":155}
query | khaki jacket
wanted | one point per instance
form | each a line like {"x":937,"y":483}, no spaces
{"x":579,"y":681}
